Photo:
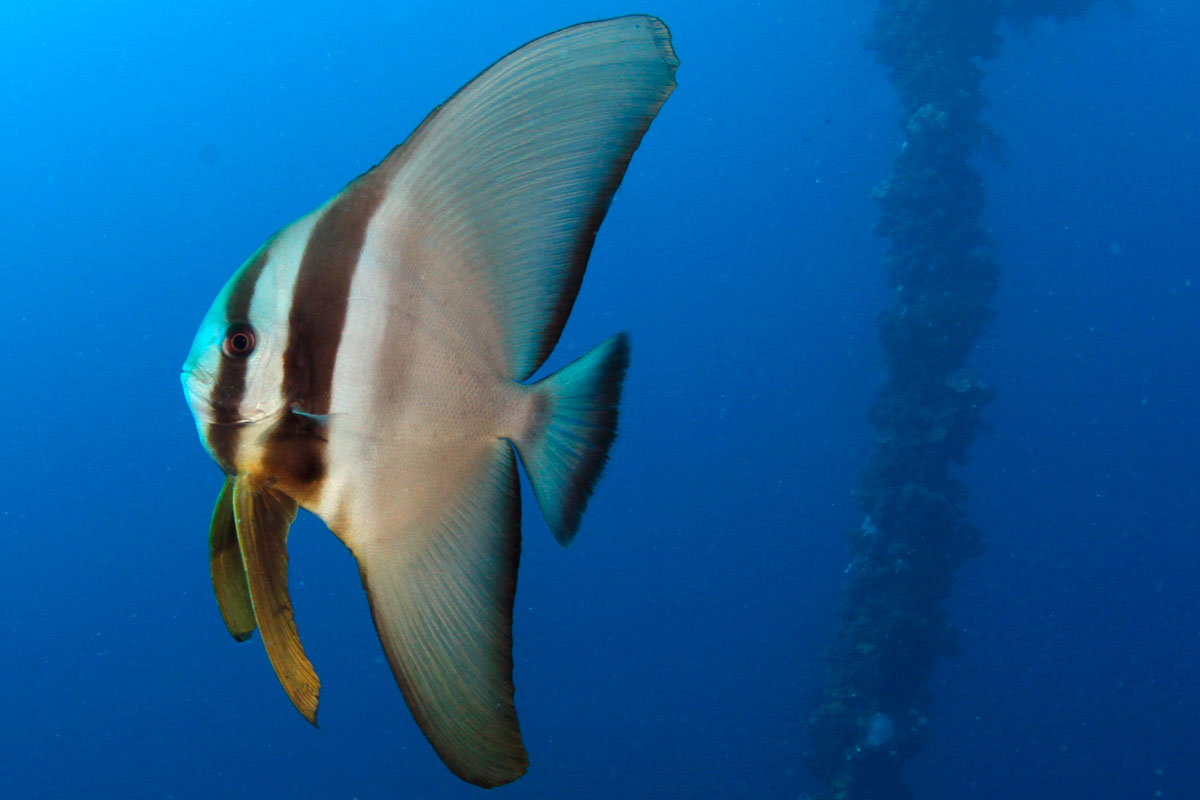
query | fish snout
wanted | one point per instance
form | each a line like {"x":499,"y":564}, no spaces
{"x":198,"y":391}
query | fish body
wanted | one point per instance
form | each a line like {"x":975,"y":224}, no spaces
{"x":369,"y":364}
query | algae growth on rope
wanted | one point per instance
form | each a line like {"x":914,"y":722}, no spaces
{"x":873,"y":714}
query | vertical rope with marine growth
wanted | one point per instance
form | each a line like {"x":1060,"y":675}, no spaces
{"x":916,"y":533}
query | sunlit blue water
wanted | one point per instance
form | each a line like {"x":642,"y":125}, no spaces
{"x":675,"y":650}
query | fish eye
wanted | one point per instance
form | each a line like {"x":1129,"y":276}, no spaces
{"x":239,"y":341}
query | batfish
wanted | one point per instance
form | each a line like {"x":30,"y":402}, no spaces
{"x":371,"y":364}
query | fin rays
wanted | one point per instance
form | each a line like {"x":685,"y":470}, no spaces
{"x":263,"y":517}
{"x":518,"y":169}
{"x":228,"y":570}
{"x":441,"y":597}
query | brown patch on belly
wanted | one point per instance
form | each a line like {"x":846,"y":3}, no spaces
{"x":294,"y":458}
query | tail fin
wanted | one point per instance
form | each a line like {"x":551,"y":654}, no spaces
{"x":566,"y":448}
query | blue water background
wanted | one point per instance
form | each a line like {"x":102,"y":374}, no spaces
{"x":675,"y":650}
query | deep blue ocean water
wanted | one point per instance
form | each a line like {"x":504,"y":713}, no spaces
{"x":674,"y":651}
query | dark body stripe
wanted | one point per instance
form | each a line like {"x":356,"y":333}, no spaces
{"x":320,"y":299}
{"x":229,"y":388}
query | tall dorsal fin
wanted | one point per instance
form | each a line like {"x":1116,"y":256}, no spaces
{"x":505,"y":185}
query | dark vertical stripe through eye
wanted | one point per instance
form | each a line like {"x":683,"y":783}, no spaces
{"x":230,"y":385}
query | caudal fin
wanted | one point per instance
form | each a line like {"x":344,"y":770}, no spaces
{"x":566,"y":448}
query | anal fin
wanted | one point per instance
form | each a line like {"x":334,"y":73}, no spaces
{"x":441,"y":594}
{"x":263,"y":516}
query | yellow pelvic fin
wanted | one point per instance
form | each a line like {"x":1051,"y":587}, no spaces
{"x":263,"y":516}
{"x":228,"y":572}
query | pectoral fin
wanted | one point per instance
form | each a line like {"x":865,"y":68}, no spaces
{"x":228,"y":572}
{"x":263,"y":516}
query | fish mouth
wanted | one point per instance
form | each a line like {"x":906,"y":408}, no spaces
{"x":196,"y":390}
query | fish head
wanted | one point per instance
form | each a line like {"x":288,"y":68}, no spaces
{"x":232,"y":374}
